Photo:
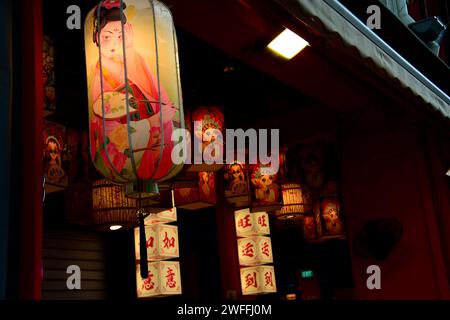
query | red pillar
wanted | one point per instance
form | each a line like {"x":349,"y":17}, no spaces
{"x":31,"y":126}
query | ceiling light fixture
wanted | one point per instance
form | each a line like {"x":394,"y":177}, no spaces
{"x":288,"y":44}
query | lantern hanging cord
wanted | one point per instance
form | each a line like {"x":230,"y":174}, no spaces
{"x":105,"y":147}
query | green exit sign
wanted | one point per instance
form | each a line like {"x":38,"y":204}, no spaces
{"x":307,"y":274}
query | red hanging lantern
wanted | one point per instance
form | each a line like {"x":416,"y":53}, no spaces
{"x":134,"y":92}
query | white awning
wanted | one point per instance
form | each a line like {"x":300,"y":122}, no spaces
{"x":336,"y":18}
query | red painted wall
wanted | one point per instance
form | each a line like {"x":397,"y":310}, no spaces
{"x":385,"y":175}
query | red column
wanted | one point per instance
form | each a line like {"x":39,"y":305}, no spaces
{"x":31,"y":126}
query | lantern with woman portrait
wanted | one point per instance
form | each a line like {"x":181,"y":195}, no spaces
{"x":265,"y":192}
{"x":55,"y":157}
{"x":236,"y":184}
{"x":134,"y":92}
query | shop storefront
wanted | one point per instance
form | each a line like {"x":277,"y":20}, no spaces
{"x":92,"y":183}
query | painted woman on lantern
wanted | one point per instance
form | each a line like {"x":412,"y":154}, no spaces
{"x":143,"y":96}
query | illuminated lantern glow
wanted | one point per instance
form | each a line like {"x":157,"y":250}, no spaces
{"x":163,"y":279}
{"x":55,"y":157}
{"x":134,"y":92}
{"x":258,"y":280}
{"x":265,"y":192}
{"x":327,"y":222}
{"x":254,"y":251}
{"x":236,"y":184}
{"x":201,"y":195}
{"x":161,"y":242}
{"x":207,"y":138}
{"x":251,"y":223}
{"x":297,"y":202}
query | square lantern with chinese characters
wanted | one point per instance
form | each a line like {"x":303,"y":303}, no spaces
{"x":161,"y":242}
{"x":258,"y":280}
{"x":163,"y":280}
{"x":265,"y":191}
{"x":236,"y":184}
{"x":251,"y":223}
{"x":199,"y":196}
{"x":254,"y":251}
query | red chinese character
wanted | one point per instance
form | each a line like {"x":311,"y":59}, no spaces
{"x":250,"y":280}
{"x":269,"y":279}
{"x":150,"y":242}
{"x":245,"y":222}
{"x":148,"y":284}
{"x":171,"y":283}
{"x":266,"y":249}
{"x":169,"y":242}
{"x":248,"y":250}
{"x":262,"y":221}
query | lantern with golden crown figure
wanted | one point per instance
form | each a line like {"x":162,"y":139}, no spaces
{"x":265,"y":191}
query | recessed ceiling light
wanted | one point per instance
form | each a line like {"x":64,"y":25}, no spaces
{"x":115,"y":227}
{"x":288,"y":44}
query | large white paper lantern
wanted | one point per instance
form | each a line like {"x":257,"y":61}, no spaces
{"x":254,"y":251}
{"x":251,"y":224}
{"x":163,"y":279}
{"x":258,"y":280}
{"x":162,"y":242}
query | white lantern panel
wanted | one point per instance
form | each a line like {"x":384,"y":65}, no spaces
{"x":251,"y":224}
{"x":164,"y":279}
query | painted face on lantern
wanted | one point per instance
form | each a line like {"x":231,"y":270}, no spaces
{"x":331,"y":217}
{"x":236,"y":171}
{"x":111,"y":40}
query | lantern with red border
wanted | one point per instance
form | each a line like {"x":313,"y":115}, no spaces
{"x":200,"y":193}
{"x":163,"y":280}
{"x":251,"y":223}
{"x":134,"y":93}
{"x":258,"y":280}
{"x":55,"y":157}
{"x":161,"y":242}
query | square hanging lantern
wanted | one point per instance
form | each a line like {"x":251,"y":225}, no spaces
{"x":258,"y":280}
{"x":297,"y":202}
{"x":112,"y":207}
{"x":265,"y":191}
{"x":134,"y":93}
{"x":206,"y":127}
{"x":198,"y":196}
{"x":236,"y":184}
{"x":251,"y":223}
{"x":48,"y":73}
{"x":161,"y":242}
{"x":55,"y":157}
{"x":254,"y":251}
{"x":163,"y":280}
